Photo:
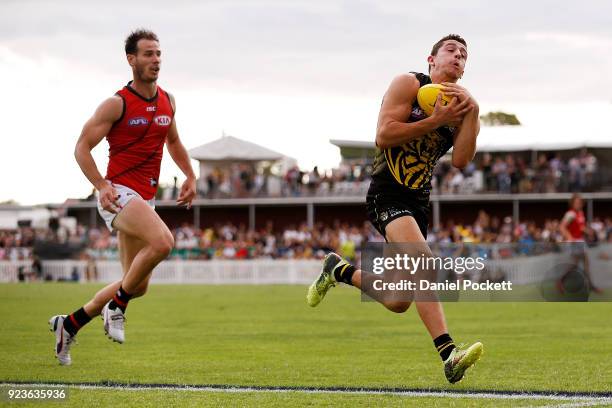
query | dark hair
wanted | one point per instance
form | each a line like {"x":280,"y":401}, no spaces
{"x":573,"y":199}
{"x":131,"y":42}
{"x":456,"y":37}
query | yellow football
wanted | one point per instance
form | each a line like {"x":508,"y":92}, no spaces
{"x":427,"y":95}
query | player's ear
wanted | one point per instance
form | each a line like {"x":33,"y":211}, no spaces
{"x":430,"y":61}
{"x":131,"y":59}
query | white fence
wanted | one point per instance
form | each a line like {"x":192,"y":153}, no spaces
{"x":519,"y":270}
{"x":535,"y":269}
{"x":256,"y":272}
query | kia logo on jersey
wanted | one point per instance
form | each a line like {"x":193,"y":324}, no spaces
{"x":163,"y":120}
{"x":139,"y":121}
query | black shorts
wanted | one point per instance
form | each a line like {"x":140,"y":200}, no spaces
{"x":384,"y":208}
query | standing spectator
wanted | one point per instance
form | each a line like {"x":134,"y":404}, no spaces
{"x":37,"y":269}
{"x":575,"y":174}
{"x":557,"y":168}
{"x":314,"y":178}
{"x":589,"y":163}
{"x":500,"y":170}
{"x":487,"y":171}
{"x":542,"y":174}
{"x":512,"y":173}
{"x":456,"y":180}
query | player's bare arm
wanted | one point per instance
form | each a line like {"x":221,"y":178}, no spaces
{"x":563,"y":226}
{"x":181,"y":158}
{"x":392,"y":129}
{"x":94,"y":130}
{"x":464,"y":143}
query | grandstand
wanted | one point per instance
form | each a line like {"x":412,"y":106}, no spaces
{"x":255,"y":203}
{"x":304,"y":215}
{"x":253,"y":185}
{"x":526,"y":183}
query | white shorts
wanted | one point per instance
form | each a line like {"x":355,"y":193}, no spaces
{"x":125,"y":195}
{"x":575,"y":248}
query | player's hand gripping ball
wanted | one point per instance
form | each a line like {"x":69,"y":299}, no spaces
{"x":427,"y":95}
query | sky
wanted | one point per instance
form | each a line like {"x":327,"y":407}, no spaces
{"x":289,"y":75}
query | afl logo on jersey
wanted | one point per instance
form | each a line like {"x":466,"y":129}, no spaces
{"x":163,"y":120}
{"x":139,"y":121}
{"x":418,"y":113}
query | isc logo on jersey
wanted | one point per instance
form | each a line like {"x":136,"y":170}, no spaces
{"x":139,"y":121}
{"x":163,"y":120}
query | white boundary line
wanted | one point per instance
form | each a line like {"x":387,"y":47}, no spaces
{"x":576,"y":404}
{"x":587,"y":399}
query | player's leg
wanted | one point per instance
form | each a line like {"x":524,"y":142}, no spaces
{"x":456,"y":362}
{"x":140,"y":221}
{"x":403,"y":229}
{"x":95,"y":305}
{"x":104,"y":295}
{"x":406,"y":230}
{"x":335,"y":269}
{"x":147,"y":235}
{"x":67,"y":326}
{"x":113,"y":310}
{"x":128,"y":248}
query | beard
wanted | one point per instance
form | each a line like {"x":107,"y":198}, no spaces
{"x":141,"y":74}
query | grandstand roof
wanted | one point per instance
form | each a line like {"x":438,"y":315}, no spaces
{"x":229,"y":148}
{"x":544,"y":138}
{"x":352,"y":143}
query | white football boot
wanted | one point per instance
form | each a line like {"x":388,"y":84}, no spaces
{"x":63,"y":339}
{"x":114,"y":322}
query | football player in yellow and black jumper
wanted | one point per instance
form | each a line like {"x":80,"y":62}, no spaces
{"x":409,"y":143}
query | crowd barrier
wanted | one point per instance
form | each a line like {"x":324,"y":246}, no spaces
{"x":520,"y":270}
{"x":255,"y":272}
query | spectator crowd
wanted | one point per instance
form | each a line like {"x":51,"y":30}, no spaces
{"x":498,"y":173}
{"x":508,"y":174}
{"x":243,"y":180}
{"x":230,"y":241}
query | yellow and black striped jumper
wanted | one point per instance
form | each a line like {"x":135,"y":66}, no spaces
{"x":401,"y":175}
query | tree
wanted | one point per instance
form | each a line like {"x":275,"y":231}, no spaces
{"x":9,"y":202}
{"x":500,"y":119}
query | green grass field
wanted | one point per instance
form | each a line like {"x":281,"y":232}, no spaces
{"x":267,"y":336}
